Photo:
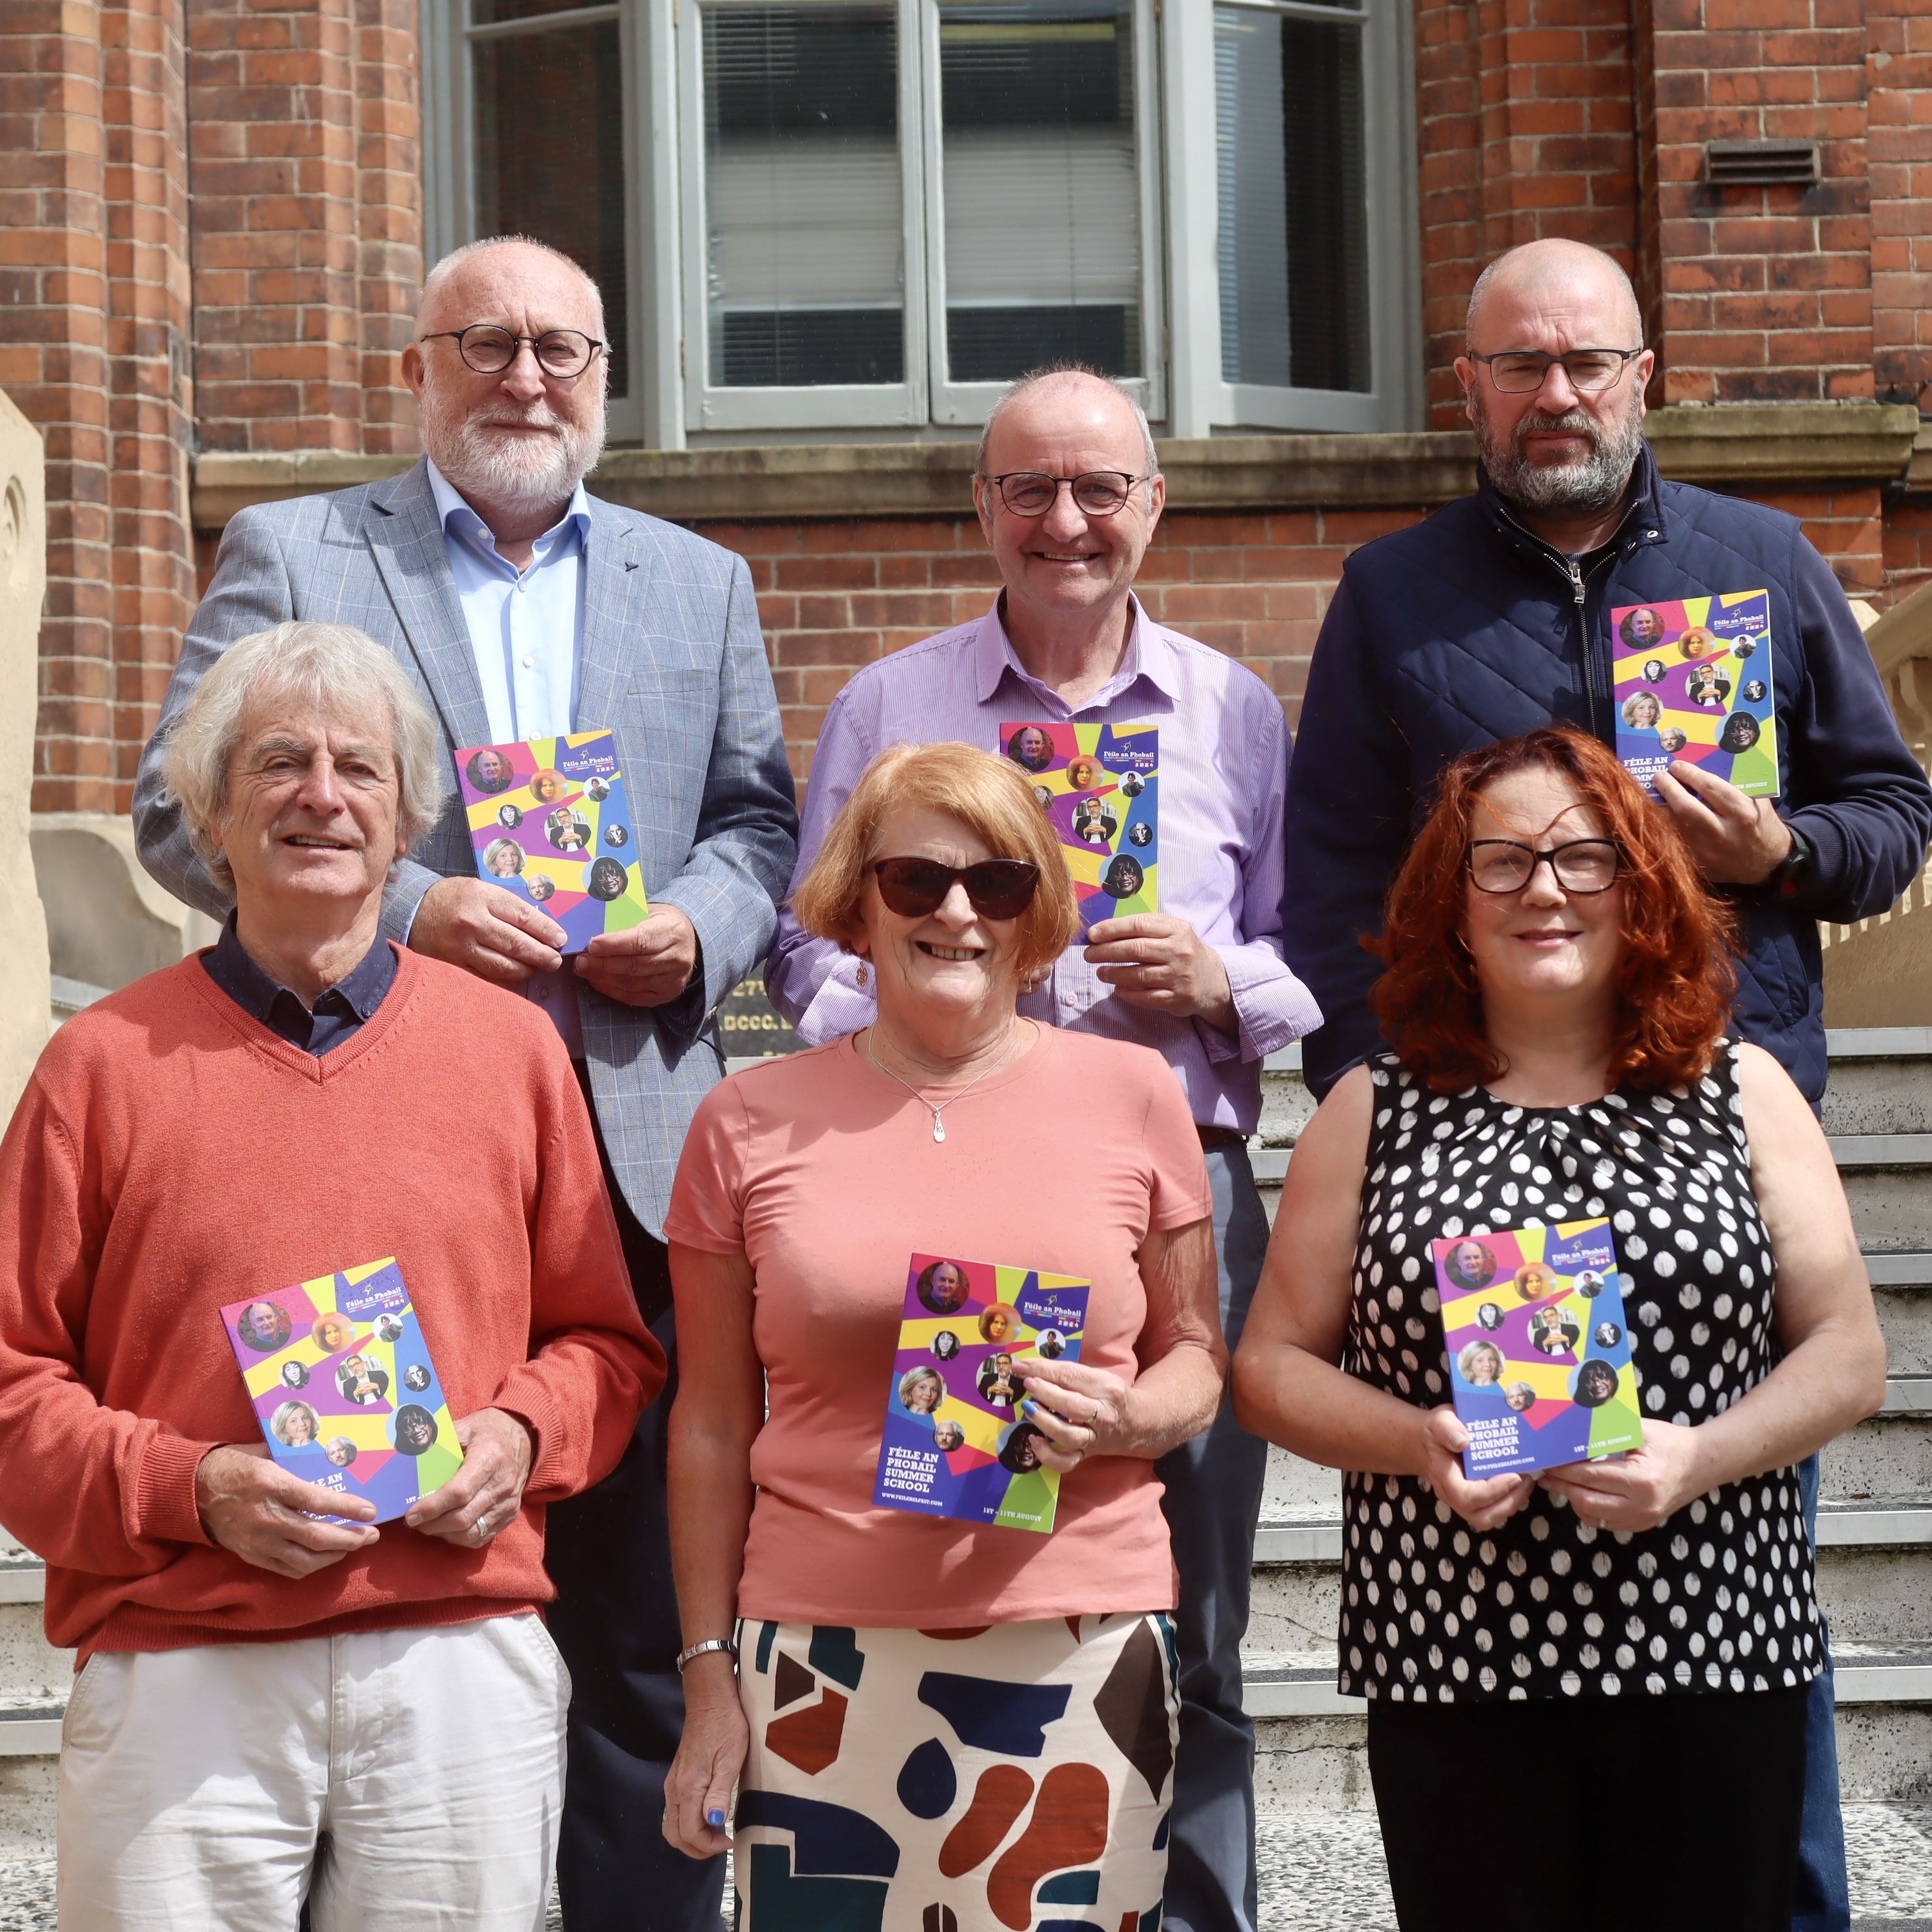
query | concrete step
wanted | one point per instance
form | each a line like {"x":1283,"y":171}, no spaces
{"x":1874,"y":1576}
{"x":1902,"y":1287}
{"x":1311,"y":1750}
{"x":1880,"y":1083}
{"x":1887,"y":1179}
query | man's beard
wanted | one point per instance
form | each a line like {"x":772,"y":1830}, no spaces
{"x":514,"y":471}
{"x":1595,"y":483}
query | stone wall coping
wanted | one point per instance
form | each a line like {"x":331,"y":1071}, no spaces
{"x":1736,"y":446}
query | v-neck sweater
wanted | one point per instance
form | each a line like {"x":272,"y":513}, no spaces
{"x":171,"y":1154}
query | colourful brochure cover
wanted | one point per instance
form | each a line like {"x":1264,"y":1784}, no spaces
{"x":954,"y":1445}
{"x":1101,"y":786}
{"x":548,"y":820}
{"x":343,"y":1387}
{"x":1539,"y":1351}
{"x":1692,"y":681}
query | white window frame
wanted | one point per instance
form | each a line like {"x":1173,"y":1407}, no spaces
{"x":1204,"y":400}
{"x":970,"y":402}
{"x":1182,"y":389}
{"x":449,"y":157}
{"x":828,"y":405}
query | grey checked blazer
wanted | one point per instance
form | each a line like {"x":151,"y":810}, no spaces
{"x":671,"y":660}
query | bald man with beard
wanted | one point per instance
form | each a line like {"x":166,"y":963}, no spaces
{"x":1493,"y":618}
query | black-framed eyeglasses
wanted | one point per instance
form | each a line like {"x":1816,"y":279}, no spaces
{"x":490,"y":348}
{"x":1520,"y":372}
{"x":997,"y":888}
{"x":1583,"y":866}
{"x":1099,"y":493}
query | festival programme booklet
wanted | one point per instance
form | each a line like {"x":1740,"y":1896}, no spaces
{"x":1539,"y":1348}
{"x":955,"y":1443}
{"x":548,"y":820}
{"x":1101,"y":788}
{"x":1692,"y":681}
{"x":343,"y":1387}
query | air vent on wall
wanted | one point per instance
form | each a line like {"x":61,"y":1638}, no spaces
{"x":1761,"y":163}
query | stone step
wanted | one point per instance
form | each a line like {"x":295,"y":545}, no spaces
{"x":1874,"y":1575}
{"x":1311,"y":1754}
{"x":1880,"y":1083}
{"x":1887,"y":1179}
{"x":1902,"y":1288}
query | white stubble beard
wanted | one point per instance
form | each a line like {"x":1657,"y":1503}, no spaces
{"x":513,"y":472}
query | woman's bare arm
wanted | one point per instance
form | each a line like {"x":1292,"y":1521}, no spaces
{"x":1833,"y":1371}
{"x":719,"y":1410}
{"x":1089,"y":1411}
{"x":1289,"y":1386}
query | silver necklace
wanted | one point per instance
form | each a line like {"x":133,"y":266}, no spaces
{"x":938,"y":1125}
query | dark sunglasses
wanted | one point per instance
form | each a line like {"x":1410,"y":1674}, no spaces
{"x":998,"y":888}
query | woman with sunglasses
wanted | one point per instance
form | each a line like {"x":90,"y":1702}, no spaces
{"x":1556,"y":993}
{"x":807,"y":1186}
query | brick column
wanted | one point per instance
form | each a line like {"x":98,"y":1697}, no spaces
{"x":1525,"y":129}
{"x":53,"y":300}
{"x":278,"y":310}
{"x":388,"y":158}
{"x":150,"y":405}
{"x":1898,"y":73}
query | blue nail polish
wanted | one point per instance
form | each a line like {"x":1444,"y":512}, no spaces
{"x":716,"y":1820}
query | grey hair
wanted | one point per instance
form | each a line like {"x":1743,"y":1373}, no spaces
{"x":331,"y":668}
{"x":1032,"y":380}
{"x":434,"y":281}
{"x":1610,"y":262}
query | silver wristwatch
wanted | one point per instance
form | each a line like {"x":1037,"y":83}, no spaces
{"x":710,"y":1643}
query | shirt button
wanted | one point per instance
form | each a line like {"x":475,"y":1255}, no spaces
{"x":526,"y":661}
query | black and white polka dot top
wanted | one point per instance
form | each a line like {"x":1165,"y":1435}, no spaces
{"x":1719,"y":1598}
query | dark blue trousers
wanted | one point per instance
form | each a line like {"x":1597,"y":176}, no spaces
{"x":615,"y":1619}
{"x":1212,"y":1501}
{"x":1821,"y":1900}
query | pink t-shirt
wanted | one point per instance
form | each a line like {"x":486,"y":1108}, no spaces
{"x":824,"y":1174}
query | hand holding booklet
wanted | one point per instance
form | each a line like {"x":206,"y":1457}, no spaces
{"x":342,"y":1385}
{"x":954,"y":1443}
{"x":1539,"y":1347}
{"x":549,"y":821}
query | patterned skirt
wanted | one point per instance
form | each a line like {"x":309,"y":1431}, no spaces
{"x":974,"y":1780}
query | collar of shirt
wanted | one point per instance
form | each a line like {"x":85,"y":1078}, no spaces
{"x":460,"y":521}
{"x":342,"y":1010}
{"x":1147,"y":655}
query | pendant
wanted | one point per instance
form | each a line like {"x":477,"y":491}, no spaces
{"x":938,"y":1128}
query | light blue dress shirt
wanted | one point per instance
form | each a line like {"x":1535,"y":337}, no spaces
{"x":526,"y":633}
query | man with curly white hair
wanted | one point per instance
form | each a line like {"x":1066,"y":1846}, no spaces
{"x":279,"y":1702}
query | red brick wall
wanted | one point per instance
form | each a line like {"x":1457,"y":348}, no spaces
{"x":1757,"y":294}
{"x":1526,"y":129}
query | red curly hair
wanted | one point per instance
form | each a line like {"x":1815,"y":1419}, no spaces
{"x":1674,"y":982}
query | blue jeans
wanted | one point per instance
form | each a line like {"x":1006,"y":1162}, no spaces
{"x":1212,"y":1501}
{"x":1822,"y":1901}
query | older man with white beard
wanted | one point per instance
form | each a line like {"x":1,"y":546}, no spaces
{"x":523,"y":606}
{"x":1499,"y":614}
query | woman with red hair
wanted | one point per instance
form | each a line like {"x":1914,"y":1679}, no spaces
{"x":1641,"y":1627}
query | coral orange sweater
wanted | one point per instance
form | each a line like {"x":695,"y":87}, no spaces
{"x":170,"y":1154}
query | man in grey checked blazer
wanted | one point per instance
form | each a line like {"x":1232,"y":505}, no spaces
{"x":665,"y":651}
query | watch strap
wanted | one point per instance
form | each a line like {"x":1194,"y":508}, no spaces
{"x":710,"y":1643}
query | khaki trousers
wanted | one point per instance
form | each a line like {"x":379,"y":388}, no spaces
{"x":399,"y":1780}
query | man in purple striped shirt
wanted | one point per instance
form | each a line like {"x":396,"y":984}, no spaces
{"x":1068,"y":492}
